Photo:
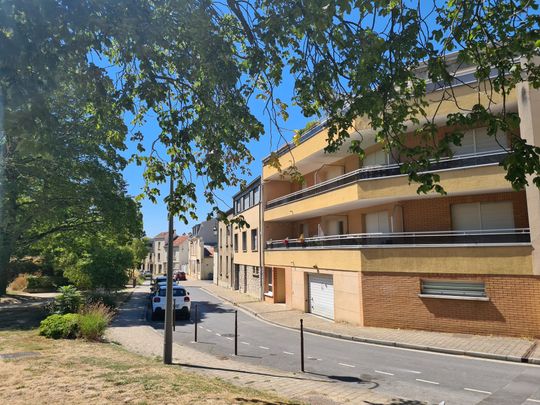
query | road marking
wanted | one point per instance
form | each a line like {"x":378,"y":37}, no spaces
{"x":480,"y":391}
{"x":534,"y":400}
{"x":346,"y":365}
{"x":427,"y":381}
{"x":413,"y":371}
{"x":229,"y":338}
{"x":218,"y":334}
{"x":202,"y":327}
{"x":209,"y":330}
{"x":245,"y":343}
{"x":264,"y":347}
{"x":289,"y":353}
{"x":314,"y":358}
{"x":383,"y":372}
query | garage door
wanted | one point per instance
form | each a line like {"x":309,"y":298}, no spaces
{"x":321,"y":295}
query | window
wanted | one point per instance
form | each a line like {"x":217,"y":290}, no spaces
{"x":238,"y":206}
{"x":454,"y":288}
{"x":256,"y":195}
{"x":478,"y":141}
{"x":236,"y":242}
{"x":377,"y":222}
{"x":159,"y":245}
{"x":220,"y":237}
{"x":226,"y":266}
{"x":177,"y":292}
{"x":483,"y":215}
{"x":254,"y":240}
{"x":220,"y":266}
{"x":244,"y":241}
{"x":246,"y":201}
{"x":159,"y":257}
{"x":377,"y":158}
{"x":255,"y":271}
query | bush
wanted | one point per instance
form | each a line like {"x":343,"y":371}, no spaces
{"x":69,"y":300}
{"x":104,"y":298}
{"x":60,"y":326}
{"x":20,"y":283}
{"x":93,"y":321}
{"x":40,"y":283}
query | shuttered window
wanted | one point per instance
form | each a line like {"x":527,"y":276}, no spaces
{"x":482,"y":216}
{"x":377,"y":222}
{"x":454,"y":288}
{"x":478,"y":141}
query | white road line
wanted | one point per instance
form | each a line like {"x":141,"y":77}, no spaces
{"x":413,"y":371}
{"x":202,"y":327}
{"x":218,"y":334}
{"x":346,"y":365}
{"x":289,"y":353}
{"x":383,"y":372}
{"x":264,"y":347}
{"x":480,"y":391}
{"x":427,"y":381}
{"x":533,"y":400}
{"x":229,"y":338}
{"x":245,"y":343}
{"x":209,"y":330}
{"x":314,"y":358}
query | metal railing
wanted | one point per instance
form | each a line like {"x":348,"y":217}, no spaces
{"x":366,"y":173}
{"x":407,"y":239}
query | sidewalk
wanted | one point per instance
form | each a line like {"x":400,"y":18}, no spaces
{"x":303,"y":387}
{"x":491,"y":347}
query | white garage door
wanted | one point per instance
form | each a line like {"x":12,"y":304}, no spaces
{"x":321,"y":295}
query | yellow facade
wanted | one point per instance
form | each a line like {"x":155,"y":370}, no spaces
{"x":251,"y":256}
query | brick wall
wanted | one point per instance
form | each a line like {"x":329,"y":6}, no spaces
{"x":434,"y":214}
{"x":391,"y":301}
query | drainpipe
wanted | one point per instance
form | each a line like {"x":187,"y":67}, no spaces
{"x":262,"y":275}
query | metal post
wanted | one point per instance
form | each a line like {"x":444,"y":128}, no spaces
{"x":302,"y":343}
{"x":196,"y":322}
{"x":174,"y":315}
{"x":169,"y":311}
{"x":236,"y":333}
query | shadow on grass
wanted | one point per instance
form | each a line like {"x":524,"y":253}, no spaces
{"x":21,"y":318}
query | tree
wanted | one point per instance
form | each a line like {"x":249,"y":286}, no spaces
{"x":370,"y":60}
{"x":61,"y":133}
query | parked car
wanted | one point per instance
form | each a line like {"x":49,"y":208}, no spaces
{"x":180,"y":276}
{"x":180,"y":295}
{"x":147,"y":274}
{"x":156,"y":281}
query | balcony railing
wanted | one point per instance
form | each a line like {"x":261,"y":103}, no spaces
{"x":366,"y":173}
{"x":517,"y":236}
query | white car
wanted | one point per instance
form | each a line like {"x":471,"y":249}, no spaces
{"x":181,"y":298}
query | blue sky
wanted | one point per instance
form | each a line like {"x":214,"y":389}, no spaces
{"x":155,"y":215}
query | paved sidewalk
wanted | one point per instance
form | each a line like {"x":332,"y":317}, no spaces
{"x":306,"y":387}
{"x":492,"y":347}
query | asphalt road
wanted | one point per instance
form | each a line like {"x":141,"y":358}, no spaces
{"x":418,"y":375}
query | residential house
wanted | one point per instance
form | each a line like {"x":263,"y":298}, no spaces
{"x":201,"y":250}
{"x":223,"y":261}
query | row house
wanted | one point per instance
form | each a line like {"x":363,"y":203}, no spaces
{"x":202,"y":243}
{"x":356,"y":243}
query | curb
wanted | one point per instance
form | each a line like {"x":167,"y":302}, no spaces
{"x":381,"y":342}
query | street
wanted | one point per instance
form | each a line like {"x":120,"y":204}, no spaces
{"x":424,"y":376}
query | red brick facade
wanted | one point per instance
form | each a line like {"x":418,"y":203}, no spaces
{"x":391,"y":300}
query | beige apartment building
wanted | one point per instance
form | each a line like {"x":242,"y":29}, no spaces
{"x":223,"y":275}
{"x":247,"y":256}
{"x":356,"y":242}
{"x":201,"y":250}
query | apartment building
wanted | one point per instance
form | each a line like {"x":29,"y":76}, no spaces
{"x":356,"y":243}
{"x":223,"y":274}
{"x":181,"y":253}
{"x":247,"y":255}
{"x":159,"y":252}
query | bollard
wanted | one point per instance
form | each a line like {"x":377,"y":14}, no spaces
{"x":302,"y":343}
{"x":196,"y":322}
{"x":174,"y":315}
{"x":236,"y":333}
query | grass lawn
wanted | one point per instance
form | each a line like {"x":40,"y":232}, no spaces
{"x":79,"y":372}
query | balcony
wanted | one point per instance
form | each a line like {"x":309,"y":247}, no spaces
{"x":464,"y":161}
{"x":492,"y":237}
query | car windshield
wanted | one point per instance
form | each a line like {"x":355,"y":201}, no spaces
{"x":177,"y":292}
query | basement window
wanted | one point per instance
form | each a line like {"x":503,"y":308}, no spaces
{"x":464,"y":290}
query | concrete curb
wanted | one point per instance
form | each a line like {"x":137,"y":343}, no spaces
{"x":381,"y":342}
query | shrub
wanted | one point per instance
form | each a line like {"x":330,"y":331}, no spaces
{"x":40,"y":283}
{"x":20,"y":283}
{"x":69,"y":300}
{"x":107,"y":299}
{"x":60,"y":326}
{"x":93,"y":321}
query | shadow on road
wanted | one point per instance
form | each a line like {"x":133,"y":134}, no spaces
{"x":349,"y":379}
{"x":397,"y":402}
